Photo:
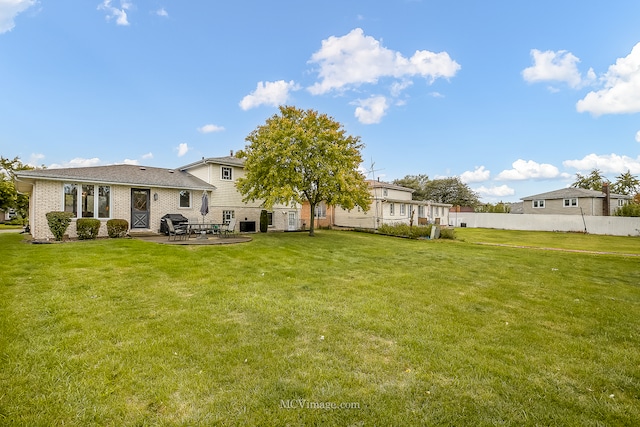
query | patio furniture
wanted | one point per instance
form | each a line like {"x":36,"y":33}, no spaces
{"x":176,"y":231}
{"x":228,"y":228}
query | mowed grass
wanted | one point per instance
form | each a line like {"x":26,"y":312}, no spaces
{"x":341,"y":329}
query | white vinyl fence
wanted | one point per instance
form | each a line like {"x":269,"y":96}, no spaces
{"x":611,"y":225}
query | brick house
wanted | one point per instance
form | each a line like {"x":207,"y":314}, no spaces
{"x":143,"y":195}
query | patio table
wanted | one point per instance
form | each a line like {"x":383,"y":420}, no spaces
{"x":202,"y":228}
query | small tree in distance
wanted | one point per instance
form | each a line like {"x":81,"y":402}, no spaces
{"x":302,"y":155}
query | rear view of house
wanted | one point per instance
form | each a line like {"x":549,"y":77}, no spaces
{"x":574,"y":201}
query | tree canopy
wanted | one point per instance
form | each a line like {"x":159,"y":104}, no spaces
{"x":302,"y":155}
{"x":9,"y":197}
{"x":445,"y":190}
{"x":592,"y":181}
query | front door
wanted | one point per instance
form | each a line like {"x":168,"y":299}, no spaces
{"x":293,"y":221}
{"x":140,"y":208}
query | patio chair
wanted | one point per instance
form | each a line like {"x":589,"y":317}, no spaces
{"x":176,"y":231}
{"x":228,"y":228}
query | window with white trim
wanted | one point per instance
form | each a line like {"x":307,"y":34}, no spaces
{"x":538,"y":204}
{"x":94,"y":201}
{"x":622,"y":202}
{"x":402,"y":209}
{"x":321,"y":210}
{"x":228,"y":216}
{"x":570,"y":203}
{"x":185,"y":199}
{"x":421,"y":211}
{"x":226,"y":173}
{"x":270,"y":219}
{"x":392,"y":209}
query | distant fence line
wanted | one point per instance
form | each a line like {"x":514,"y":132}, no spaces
{"x":609,"y":225}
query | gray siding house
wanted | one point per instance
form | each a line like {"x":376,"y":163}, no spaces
{"x":574,"y":201}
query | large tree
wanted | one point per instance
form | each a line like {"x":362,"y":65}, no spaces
{"x":593,"y":181}
{"x":302,"y":155}
{"x":445,"y":190}
{"x":451,"y":190}
{"x":418,"y":183}
{"x":626,"y":183}
{"x":9,"y":197}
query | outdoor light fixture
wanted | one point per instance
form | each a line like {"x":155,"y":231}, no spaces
{"x":155,"y":197}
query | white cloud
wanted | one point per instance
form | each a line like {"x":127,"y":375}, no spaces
{"x":162,"y":12}
{"x":130,"y":162}
{"x":356,"y":59}
{"x":119,"y":14}
{"x":638,"y":136}
{"x":210,"y":128}
{"x":480,"y":174}
{"x":35,"y":159}
{"x":607,"y":163}
{"x":621,"y":92}
{"x":560,"y":66}
{"x":371,"y":110}
{"x":496,"y":191}
{"x":147,"y":156}
{"x":9,"y":9}
{"x":78,"y":162}
{"x":528,"y":169}
{"x":182,"y":149}
{"x":398,"y":87}
{"x":269,"y":93}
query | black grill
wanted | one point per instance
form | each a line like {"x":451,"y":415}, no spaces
{"x":177,"y":219}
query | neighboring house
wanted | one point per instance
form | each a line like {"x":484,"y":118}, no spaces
{"x":324,"y":215}
{"x":391,"y":204}
{"x":140,"y":194}
{"x":574,"y":201}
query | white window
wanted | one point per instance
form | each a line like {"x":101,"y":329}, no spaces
{"x":622,"y":202}
{"x":570,"y":203}
{"x":421,"y":211}
{"x":538,"y":204}
{"x":94,"y":200}
{"x":270,"y":218}
{"x":185,"y":199}
{"x":385,"y":192}
{"x":392,"y":209}
{"x":402,"y":209}
{"x":227,"y":173}
{"x":227,"y":216}
{"x":321,"y":210}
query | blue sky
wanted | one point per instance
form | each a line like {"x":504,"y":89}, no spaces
{"x":515,"y":97}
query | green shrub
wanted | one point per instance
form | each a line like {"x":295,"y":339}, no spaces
{"x":264,"y":221}
{"x":58,"y":223}
{"x":448,"y":233}
{"x":404,"y":230}
{"x":87,"y":228}
{"x":631,"y":209}
{"x":117,"y":228}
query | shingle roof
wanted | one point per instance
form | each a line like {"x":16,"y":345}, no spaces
{"x":227,"y":161}
{"x":121,"y":174}
{"x":382,"y":184}
{"x":571,"y":192}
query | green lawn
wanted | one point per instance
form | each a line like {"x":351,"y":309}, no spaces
{"x":341,"y":329}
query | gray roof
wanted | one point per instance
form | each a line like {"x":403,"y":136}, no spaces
{"x":382,"y":184}
{"x":121,"y":174}
{"x":571,"y":192}
{"x":226,"y":161}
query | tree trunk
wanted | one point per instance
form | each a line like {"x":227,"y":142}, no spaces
{"x":312,"y":218}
